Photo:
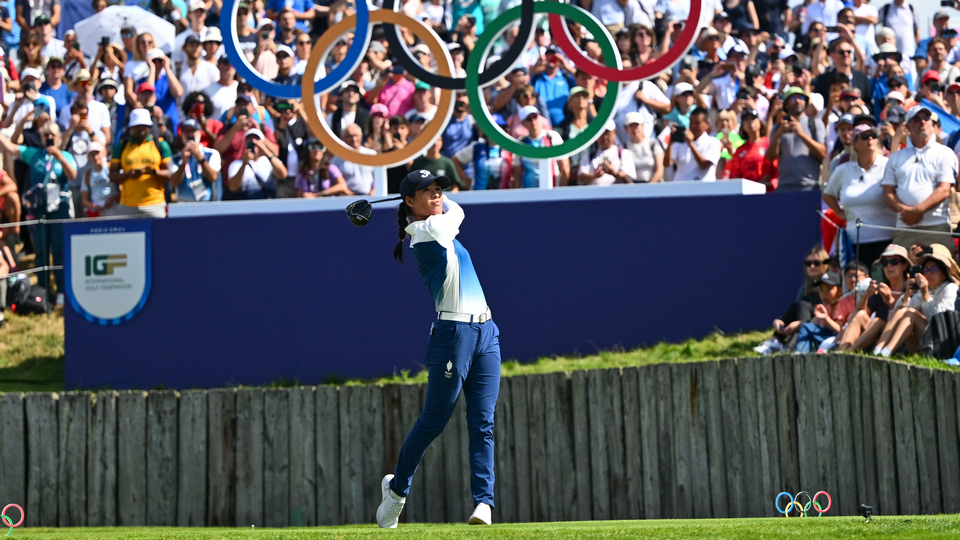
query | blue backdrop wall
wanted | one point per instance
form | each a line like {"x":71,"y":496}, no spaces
{"x":307,"y":296}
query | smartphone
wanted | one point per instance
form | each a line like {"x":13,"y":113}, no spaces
{"x":833,"y":29}
{"x":242,"y":113}
{"x":947,"y":3}
{"x":798,"y":71}
{"x":265,"y":36}
{"x":250,"y":146}
{"x":76,"y":46}
{"x":197,"y":110}
{"x":49,"y":141}
{"x":29,"y":87}
{"x":105,"y":42}
{"x":471,"y":19}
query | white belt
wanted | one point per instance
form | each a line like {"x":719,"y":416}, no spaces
{"x":465,"y":317}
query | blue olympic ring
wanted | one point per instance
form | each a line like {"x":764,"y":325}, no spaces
{"x":228,"y":27}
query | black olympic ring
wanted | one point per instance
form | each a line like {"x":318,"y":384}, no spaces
{"x":494,"y":72}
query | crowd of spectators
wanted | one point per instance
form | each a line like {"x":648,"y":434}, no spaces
{"x":854,"y":99}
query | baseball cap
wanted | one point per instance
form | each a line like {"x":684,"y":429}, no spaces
{"x":519,"y":69}
{"x":283,"y":49}
{"x":845,"y":119}
{"x":379,"y":108}
{"x":190,"y":123}
{"x":420,"y":48}
{"x":107,"y":83}
{"x":829,"y":278}
{"x":930,"y":75}
{"x":610,"y":126}
{"x":254,"y":132}
{"x":154,"y":53}
{"x":941,"y":15}
{"x":244,"y":97}
{"x":29,"y":72}
{"x":794,"y":91}
{"x":896,"y":114}
{"x":850,"y":92}
{"x":454,"y":46}
{"x":915,"y":110}
{"x":894,"y":94}
{"x":721,"y":15}
{"x":862,"y":119}
{"x":421,"y":179}
{"x":578,"y":90}
{"x":737,"y":48}
{"x":420,"y":85}
{"x":43,"y":18}
{"x":753,"y":71}
{"x":633,"y":118}
{"x":197,"y":5}
{"x":749,"y":113}
{"x":682,"y":88}
{"x":211,"y":33}
{"x":57,"y":59}
{"x":146,"y":87}
{"x":787,"y":52}
{"x":953,"y":86}
{"x":96,"y":146}
{"x":349,"y":83}
{"x":265,"y":22}
{"x":898,"y":80}
{"x":709,"y":32}
{"x":192,"y":38}
{"x":863,"y":128}
{"x":377,"y":47}
{"x":526,"y":111}
{"x":140,"y":117}
{"x":397,"y":69}
{"x":817,"y":101}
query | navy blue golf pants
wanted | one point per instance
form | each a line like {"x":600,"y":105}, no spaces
{"x":460,"y":356}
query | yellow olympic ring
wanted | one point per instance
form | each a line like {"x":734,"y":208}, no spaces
{"x":790,"y":506}
{"x":433,"y":128}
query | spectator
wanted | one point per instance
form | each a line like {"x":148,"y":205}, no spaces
{"x":292,"y":131}
{"x":526,"y":95}
{"x":198,"y":107}
{"x":930,"y":88}
{"x":693,"y":153}
{"x":231,"y":141}
{"x":55,"y":87}
{"x":941,"y":20}
{"x":303,"y":50}
{"x":302,"y":11}
{"x":865,"y":327}
{"x":683,"y":105}
{"x":316,"y":173}
{"x":900,"y":17}
{"x":9,"y":209}
{"x":197,"y":164}
{"x":50,"y":46}
{"x":647,"y":151}
{"x":797,"y":142}
{"x":854,"y":192}
{"x":491,"y":164}
{"x":254,"y":175}
{"x":141,"y":166}
{"x":357,"y":179}
{"x":223,"y":92}
{"x":829,"y":315}
{"x":439,"y":165}
{"x":460,"y":131}
{"x":9,"y":29}
{"x":109,"y":64}
{"x":772,"y":15}
{"x":29,"y":55}
{"x":526,"y":171}
{"x":576,"y":121}
{"x":749,"y":160}
{"x":167,"y":88}
{"x":28,"y":100}
{"x":395,"y":91}
{"x":422,"y":102}
{"x":99,"y":195}
{"x":31,"y":10}
{"x":195,"y":74}
{"x":196,"y":24}
{"x":917,"y":182}
{"x":937,"y":54}
{"x":821,"y":11}
{"x":98,"y":113}
{"x":841,"y":52}
{"x":608,"y":164}
{"x":286,"y":75}
{"x":244,"y":30}
{"x":931,"y":291}
{"x":75,"y":60}
{"x":552,"y":81}
{"x":728,"y":134}
{"x":211,"y":41}
{"x":349,"y":113}
{"x":648,"y":101}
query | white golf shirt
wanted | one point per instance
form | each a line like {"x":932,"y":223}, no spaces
{"x":916,"y":173}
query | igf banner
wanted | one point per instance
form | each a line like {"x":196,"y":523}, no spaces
{"x":107,"y":270}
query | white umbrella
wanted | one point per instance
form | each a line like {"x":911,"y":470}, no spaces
{"x":108,"y":23}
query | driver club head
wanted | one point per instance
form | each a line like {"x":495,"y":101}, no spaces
{"x":359,"y":212}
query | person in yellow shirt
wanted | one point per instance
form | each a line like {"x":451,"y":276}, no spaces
{"x":141,"y":166}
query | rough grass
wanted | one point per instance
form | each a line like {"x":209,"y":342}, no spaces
{"x":925,"y":527}
{"x":31,"y":353}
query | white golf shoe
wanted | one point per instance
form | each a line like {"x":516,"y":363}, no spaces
{"x":391,"y":504}
{"x":481,"y":515}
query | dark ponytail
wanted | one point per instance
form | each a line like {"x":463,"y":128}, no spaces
{"x":403,"y":212}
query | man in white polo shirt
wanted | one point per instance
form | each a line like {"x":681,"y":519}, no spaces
{"x":916,"y":184}
{"x":693,"y":153}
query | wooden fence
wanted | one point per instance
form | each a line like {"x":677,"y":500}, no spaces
{"x":709,"y":439}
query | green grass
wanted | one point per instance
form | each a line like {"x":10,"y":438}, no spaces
{"x":932,"y":527}
{"x":31,"y":353}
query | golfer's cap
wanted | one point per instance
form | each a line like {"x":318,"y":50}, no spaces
{"x":29,"y":72}
{"x":283,"y":49}
{"x":610,"y":126}
{"x":153,"y":54}
{"x":254,"y":133}
{"x":140,"y":117}
{"x":829,"y":278}
{"x":265,"y":22}
{"x":420,"y":48}
{"x":190,"y":123}
{"x":865,"y":119}
{"x":96,"y":146}
{"x":146,"y":87}
{"x":420,"y":85}
{"x":421,"y":179}
{"x":898,"y":80}
{"x":917,"y":109}
{"x":43,"y":18}
{"x":633,"y":118}
{"x":845,"y":119}
{"x":893,"y":250}
{"x":941,"y":15}
{"x":682,"y":88}
{"x":192,"y":38}
{"x":377,"y":47}
{"x":895,"y":94}
{"x":379,"y":108}
{"x":197,"y":5}
{"x":526,"y":111}
{"x":211,"y":33}
{"x":930,"y":75}
{"x":348,"y":84}
{"x":578,"y":90}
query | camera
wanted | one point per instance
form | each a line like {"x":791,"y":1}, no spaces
{"x":250,"y":146}
{"x":76,"y":46}
{"x":678,"y":135}
{"x":49,"y":141}
{"x":833,"y":29}
{"x":104,"y":42}
{"x":471,"y":19}
{"x":29,"y":87}
{"x":947,"y":3}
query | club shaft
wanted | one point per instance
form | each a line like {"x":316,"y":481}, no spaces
{"x":385,"y":200}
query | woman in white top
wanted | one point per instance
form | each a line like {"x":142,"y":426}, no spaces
{"x":931,"y":291}
{"x":854,"y":192}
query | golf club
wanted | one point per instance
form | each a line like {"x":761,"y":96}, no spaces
{"x":360,"y":211}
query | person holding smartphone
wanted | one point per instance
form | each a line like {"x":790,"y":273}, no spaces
{"x":141,"y":165}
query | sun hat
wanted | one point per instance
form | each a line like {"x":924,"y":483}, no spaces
{"x":894,"y":250}
{"x":945,"y":252}
{"x":943,"y":258}
{"x":140,"y":117}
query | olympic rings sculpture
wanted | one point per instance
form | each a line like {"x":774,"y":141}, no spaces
{"x":477,"y":76}
{"x":803,"y":509}
{"x":6,"y":519}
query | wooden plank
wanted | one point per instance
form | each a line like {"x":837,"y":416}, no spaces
{"x":904,"y":440}
{"x":276,"y":457}
{"x":599,"y":455}
{"x":948,"y":440}
{"x":713,"y":419}
{"x":682,"y":439}
{"x":132,"y":458}
{"x":581,"y":445}
{"x":750,"y":435}
{"x":72,"y":489}
{"x":415,"y":509}
{"x":888,"y":495}
{"x":221,"y":458}
{"x":518,"y":389}
{"x":162,"y":458}
{"x":858,"y":403}
{"x":733,"y":443}
{"x":192,"y":459}
{"x":303,"y":457}
{"x":699,"y":463}
{"x":925,"y":435}
{"x":13,"y":452}
{"x":41,"y":417}
{"x":351,"y":454}
{"x":102,"y":461}
{"x":823,"y":422}
{"x":538,"y":446}
{"x":633,"y":450}
{"x":769,"y":444}
{"x":647,"y":387}
{"x":371,"y":440}
{"x":562,"y":479}
{"x":328,"y":432}
{"x":783,"y":374}
{"x":249,"y":456}
{"x":505,"y":491}
{"x":434,"y":476}
{"x":845,"y":501}
{"x":805,"y":380}
{"x":613,"y":406}
{"x":668,"y":486}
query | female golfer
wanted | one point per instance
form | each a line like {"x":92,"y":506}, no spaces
{"x":463,"y":351}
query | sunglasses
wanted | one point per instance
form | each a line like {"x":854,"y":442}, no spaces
{"x":315,"y":147}
{"x":931,"y":269}
{"x":890,"y":262}
{"x":816,"y":263}
{"x":126,"y":35}
{"x":845,"y":52}
{"x":921,"y":118}
{"x":307,"y":42}
{"x":867,"y":135}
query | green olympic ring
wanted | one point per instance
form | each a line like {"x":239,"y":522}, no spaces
{"x":594,"y":128}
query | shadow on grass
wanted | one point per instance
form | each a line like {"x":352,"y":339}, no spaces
{"x":43,"y":374}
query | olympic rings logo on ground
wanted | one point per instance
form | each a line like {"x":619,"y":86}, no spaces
{"x":803,"y":509}
{"x":6,"y":519}
{"x":477,"y":77}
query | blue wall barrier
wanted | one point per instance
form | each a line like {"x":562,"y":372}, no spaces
{"x":250,"y":299}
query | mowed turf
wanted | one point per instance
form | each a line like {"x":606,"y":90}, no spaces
{"x":715,"y":529}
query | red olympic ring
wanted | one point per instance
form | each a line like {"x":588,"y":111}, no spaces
{"x":6,"y":520}
{"x":646,"y":71}
{"x":829,"y":502}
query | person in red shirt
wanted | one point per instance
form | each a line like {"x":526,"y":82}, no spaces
{"x":197,"y":106}
{"x":749,"y":160}
{"x":231,"y":140}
